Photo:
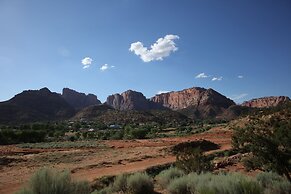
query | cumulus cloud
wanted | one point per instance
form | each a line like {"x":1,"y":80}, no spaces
{"x":106,"y":67}
{"x":239,"y":96}
{"x":216,"y":79}
{"x":240,"y":76}
{"x":87,"y":61}
{"x":162,"y":48}
{"x":162,"y":91}
{"x":201,"y":75}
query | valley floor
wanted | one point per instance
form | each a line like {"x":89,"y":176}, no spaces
{"x":112,"y":157}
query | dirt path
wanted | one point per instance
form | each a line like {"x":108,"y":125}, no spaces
{"x":121,"y":156}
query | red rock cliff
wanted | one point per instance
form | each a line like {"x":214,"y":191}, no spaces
{"x":192,"y":97}
{"x":266,"y":101}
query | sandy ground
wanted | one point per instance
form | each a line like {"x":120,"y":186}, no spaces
{"x":118,"y":156}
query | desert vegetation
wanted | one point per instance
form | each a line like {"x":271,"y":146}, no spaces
{"x":175,"y":181}
{"x":47,"y":181}
{"x":90,"y":130}
{"x":266,"y":139}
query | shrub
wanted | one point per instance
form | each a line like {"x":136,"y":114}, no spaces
{"x":138,"y":133}
{"x":267,"y":178}
{"x":223,"y":184}
{"x":140,"y":183}
{"x":106,"y":190}
{"x":21,"y":136}
{"x":192,"y":160}
{"x":203,"y":145}
{"x":24,"y":191}
{"x":46,"y":181}
{"x":214,"y":184}
{"x":155,"y":170}
{"x":120,"y":183}
{"x":179,"y":185}
{"x":103,"y":182}
{"x":283,"y":187}
{"x":166,"y":176}
{"x":273,"y":183}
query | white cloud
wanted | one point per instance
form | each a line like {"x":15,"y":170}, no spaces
{"x":106,"y":67}
{"x":201,"y":75}
{"x":240,"y":76}
{"x":239,"y":96}
{"x":160,"y":49}
{"x":216,"y":79}
{"x":87,"y":61}
{"x":162,"y":91}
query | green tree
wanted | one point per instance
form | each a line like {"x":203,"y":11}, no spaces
{"x":193,"y":160}
{"x":268,"y":140}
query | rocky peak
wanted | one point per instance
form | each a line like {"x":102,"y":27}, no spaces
{"x":266,"y":102}
{"x":128,"y":100}
{"x":79,"y":100}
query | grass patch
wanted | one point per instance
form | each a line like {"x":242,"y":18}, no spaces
{"x":232,"y":183}
{"x":214,"y":184}
{"x":120,"y":183}
{"x":273,"y":183}
{"x":64,"y":144}
{"x":167,"y":176}
{"x":140,"y":183}
{"x":137,"y":183}
{"x":179,"y":185}
{"x":46,"y":181}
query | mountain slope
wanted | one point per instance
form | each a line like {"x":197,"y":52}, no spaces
{"x":35,"y":105}
{"x":79,"y":100}
{"x":107,"y":115}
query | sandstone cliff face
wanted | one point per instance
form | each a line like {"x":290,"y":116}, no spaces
{"x":266,"y":102}
{"x":193,"y":102}
{"x":79,"y":100}
{"x":129,"y":100}
{"x":192,"y":97}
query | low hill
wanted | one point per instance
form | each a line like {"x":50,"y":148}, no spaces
{"x":106,"y":114}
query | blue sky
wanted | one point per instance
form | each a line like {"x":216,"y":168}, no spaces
{"x":43,"y":43}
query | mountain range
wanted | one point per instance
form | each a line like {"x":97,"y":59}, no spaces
{"x":191,"y":103}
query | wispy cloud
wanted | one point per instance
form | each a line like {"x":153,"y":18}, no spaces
{"x":201,"y":75}
{"x":162,"y":48}
{"x":239,"y":96}
{"x":216,"y":78}
{"x":240,"y":76}
{"x":162,"y":91}
{"x":87,"y":61}
{"x":106,"y":67}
